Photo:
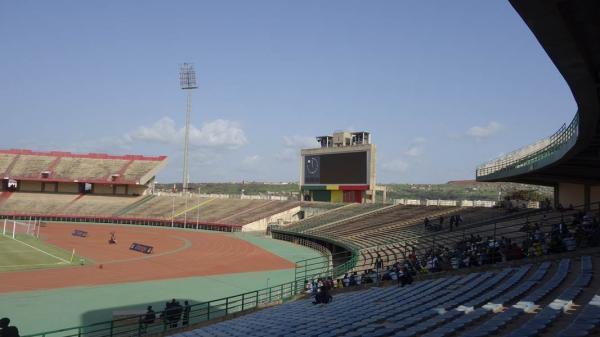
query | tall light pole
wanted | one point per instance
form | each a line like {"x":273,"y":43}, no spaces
{"x":187,"y":81}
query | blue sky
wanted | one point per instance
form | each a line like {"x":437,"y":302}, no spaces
{"x":442,"y":86}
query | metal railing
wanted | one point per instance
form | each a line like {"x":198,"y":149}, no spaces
{"x":523,"y":158}
{"x":136,"y":325}
{"x":159,"y":222}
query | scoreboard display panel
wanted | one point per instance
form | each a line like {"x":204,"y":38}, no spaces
{"x":337,"y":168}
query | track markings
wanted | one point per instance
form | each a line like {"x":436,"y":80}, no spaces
{"x":32,"y":265}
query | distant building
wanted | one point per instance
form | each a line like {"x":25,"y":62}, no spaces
{"x":342,"y":169}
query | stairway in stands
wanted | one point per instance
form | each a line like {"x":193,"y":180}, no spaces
{"x":134,"y":205}
{"x":5,"y":196}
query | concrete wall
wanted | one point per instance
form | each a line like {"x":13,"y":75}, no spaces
{"x":261,"y":225}
{"x":108,"y":189}
{"x":136,"y":189}
{"x":571,"y":194}
{"x":68,"y":188}
{"x":30,"y":186}
{"x":121,"y":190}
{"x":103,"y":189}
{"x":50,"y":187}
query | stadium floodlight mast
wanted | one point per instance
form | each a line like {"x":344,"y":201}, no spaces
{"x":187,"y":81}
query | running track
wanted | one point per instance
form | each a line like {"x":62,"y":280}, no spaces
{"x":177,"y":254}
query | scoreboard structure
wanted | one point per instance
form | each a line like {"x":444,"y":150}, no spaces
{"x":342,"y":169}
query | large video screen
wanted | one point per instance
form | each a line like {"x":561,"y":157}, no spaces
{"x":339,"y":168}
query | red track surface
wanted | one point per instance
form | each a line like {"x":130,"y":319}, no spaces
{"x":176,"y":254}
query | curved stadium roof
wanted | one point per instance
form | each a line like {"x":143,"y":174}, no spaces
{"x":569,"y":32}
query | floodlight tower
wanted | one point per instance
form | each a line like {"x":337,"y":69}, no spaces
{"x":187,"y":80}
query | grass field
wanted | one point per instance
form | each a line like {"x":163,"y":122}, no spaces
{"x":26,"y":252}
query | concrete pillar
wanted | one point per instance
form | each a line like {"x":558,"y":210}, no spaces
{"x":595,"y":195}
{"x":571,"y":194}
{"x":586,"y":197}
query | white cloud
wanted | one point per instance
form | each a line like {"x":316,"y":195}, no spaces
{"x":219,"y":133}
{"x":288,"y":154}
{"x":292,"y":146}
{"x":396,"y":165}
{"x":251,"y":160}
{"x":481,"y":132}
{"x":162,"y":131}
{"x":252,"y":163}
{"x":300,"y":142}
{"x":415,"y":148}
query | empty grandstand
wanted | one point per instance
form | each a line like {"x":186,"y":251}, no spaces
{"x":106,"y":188}
{"x":187,"y":210}
{"x":65,"y":172}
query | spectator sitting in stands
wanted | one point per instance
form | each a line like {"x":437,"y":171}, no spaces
{"x":405,"y":278}
{"x":323,"y":296}
{"x":357,"y":279}
{"x":6,"y":330}
{"x":366,"y":276}
{"x":346,"y":280}
{"x":387,"y":274}
{"x":309,"y":287}
{"x":329,"y":283}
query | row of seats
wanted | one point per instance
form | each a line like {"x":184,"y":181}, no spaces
{"x":334,"y":215}
{"x":477,"y":304}
{"x":225,"y":211}
{"x":397,"y":224}
{"x":130,"y":169}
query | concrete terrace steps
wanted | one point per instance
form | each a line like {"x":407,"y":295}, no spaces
{"x":134,"y":205}
{"x":335,"y":216}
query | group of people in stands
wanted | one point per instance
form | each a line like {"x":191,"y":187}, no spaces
{"x":455,"y":221}
{"x":173,"y":313}
{"x":583,"y":231}
{"x":398,"y":272}
{"x":320,"y":289}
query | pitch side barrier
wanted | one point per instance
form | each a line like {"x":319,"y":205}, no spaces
{"x":308,"y":269}
{"x":123,"y":220}
{"x":199,"y":313}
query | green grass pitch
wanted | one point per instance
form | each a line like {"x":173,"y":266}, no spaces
{"x":27,"y":252}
